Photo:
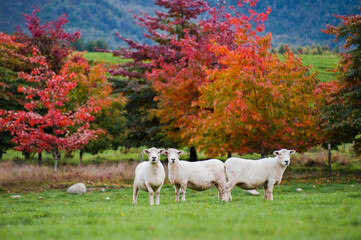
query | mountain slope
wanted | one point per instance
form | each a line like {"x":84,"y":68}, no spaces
{"x":295,"y":22}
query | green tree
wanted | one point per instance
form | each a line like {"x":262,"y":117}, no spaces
{"x":101,"y":44}
{"x":342,"y":113}
{"x":79,"y":45}
{"x":90,"y":46}
{"x":282,"y":49}
{"x":319,"y":49}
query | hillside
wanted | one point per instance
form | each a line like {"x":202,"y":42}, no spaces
{"x":295,"y":22}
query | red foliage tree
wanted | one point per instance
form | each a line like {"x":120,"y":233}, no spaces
{"x":54,"y":130}
{"x":49,"y":38}
{"x":161,"y":29}
{"x":229,"y":94}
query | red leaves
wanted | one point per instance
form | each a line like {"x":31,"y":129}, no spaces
{"x":228,"y":92}
{"x":56,"y":127}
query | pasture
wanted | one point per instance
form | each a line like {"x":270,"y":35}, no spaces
{"x":321,"y":63}
{"x":319,"y":211}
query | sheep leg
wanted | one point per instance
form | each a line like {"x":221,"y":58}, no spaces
{"x":157,"y":194}
{"x":151,"y":195}
{"x":220,"y":192}
{"x":135,"y":194}
{"x":227,"y":191}
{"x":176,"y":188}
{"x":268,"y":189}
{"x":183,"y":192}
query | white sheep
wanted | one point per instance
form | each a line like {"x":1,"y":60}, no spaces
{"x":149,"y":176}
{"x":198,"y":176}
{"x":252,"y":174}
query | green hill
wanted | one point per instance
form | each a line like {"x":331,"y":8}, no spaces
{"x":295,"y":22}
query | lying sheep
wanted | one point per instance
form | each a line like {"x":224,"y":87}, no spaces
{"x":149,"y":176}
{"x":251,"y":174}
{"x":199,"y":176}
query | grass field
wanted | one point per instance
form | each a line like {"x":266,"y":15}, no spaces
{"x":330,"y":211}
{"x":321,"y":63}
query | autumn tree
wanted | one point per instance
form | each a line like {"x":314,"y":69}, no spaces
{"x":53,"y":129}
{"x":91,"y":82}
{"x":342,"y":113}
{"x":10,"y":99}
{"x":50,"y":39}
{"x":230,"y":94}
{"x":161,"y":29}
{"x":52,"y":42}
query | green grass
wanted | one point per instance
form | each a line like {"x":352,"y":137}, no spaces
{"x":321,"y":63}
{"x":330,"y":211}
{"x":103,"y":57}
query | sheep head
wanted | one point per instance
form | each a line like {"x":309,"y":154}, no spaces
{"x":283,"y":156}
{"x":153,"y":154}
{"x":173,"y":155}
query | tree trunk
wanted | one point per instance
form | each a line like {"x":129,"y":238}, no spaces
{"x":262,"y":153}
{"x":40,"y":159}
{"x":193,"y":154}
{"x":81,"y":157}
{"x":1,"y":153}
{"x":229,"y":154}
{"x":26,"y":155}
{"x":329,"y":159}
{"x":55,"y":155}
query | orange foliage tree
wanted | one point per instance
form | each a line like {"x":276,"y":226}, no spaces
{"x":92,"y":83}
{"x":230,"y":94}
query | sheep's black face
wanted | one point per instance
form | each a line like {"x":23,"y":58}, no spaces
{"x":153,"y":154}
{"x":283,"y":156}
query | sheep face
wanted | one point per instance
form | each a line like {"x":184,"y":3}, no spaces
{"x":283,"y":156}
{"x":153,"y":154}
{"x":173,"y":155}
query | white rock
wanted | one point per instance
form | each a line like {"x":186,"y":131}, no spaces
{"x":16,"y":196}
{"x":107,"y":198}
{"x":103,"y":189}
{"x":253,"y":192}
{"x":78,"y":188}
{"x":299,"y":189}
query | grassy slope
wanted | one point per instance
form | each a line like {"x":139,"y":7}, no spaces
{"x":318,"y":212}
{"x":102,"y":57}
{"x":321,"y":63}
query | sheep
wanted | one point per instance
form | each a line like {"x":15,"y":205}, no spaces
{"x":149,"y":176}
{"x":198,"y":176}
{"x":252,"y":174}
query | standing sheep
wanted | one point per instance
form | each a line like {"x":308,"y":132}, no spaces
{"x":149,"y":176}
{"x":198,"y":176}
{"x":251,"y":174}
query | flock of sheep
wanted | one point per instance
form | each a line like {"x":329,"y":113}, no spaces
{"x":202,"y":175}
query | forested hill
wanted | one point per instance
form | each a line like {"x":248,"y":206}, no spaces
{"x":295,"y":22}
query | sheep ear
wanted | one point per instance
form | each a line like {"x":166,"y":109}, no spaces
{"x":180,"y":152}
{"x":276,"y":153}
{"x":292,"y":152}
{"x":146,"y":151}
{"x":161,"y":151}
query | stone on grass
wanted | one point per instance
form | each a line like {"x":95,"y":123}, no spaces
{"x":299,"y":189}
{"x":78,"y":188}
{"x":253,"y":192}
{"x":16,"y":196}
